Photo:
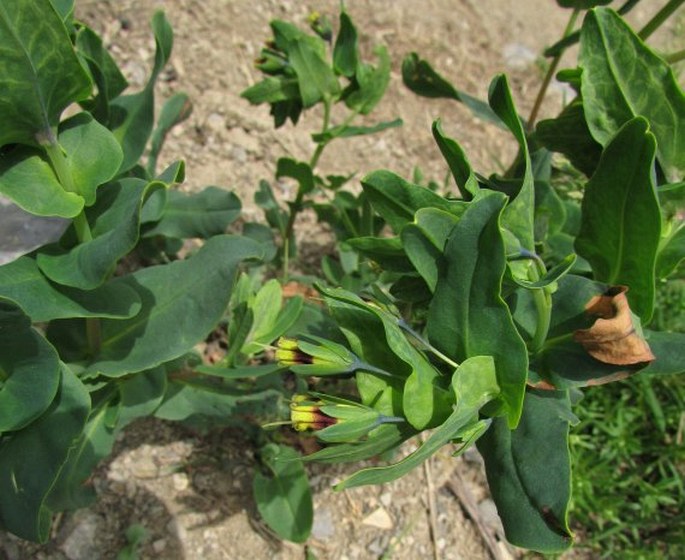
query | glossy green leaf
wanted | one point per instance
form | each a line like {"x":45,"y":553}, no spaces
{"x":458,"y":163}
{"x":345,"y":50}
{"x":468,"y":316}
{"x":31,"y":460}
{"x":569,"y":134}
{"x":182,"y":303}
{"x":315,"y":77}
{"x":529,"y":472}
{"x":175,"y":110}
{"x":275,"y":215}
{"x":611,"y":55}
{"x":265,"y":307}
{"x":40,"y":72}
{"x":419,"y":77}
{"x":474,"y":384}
{"x":132,"y":115}
{"x":398,"y":200}
{"x":22,"y":281}
{"x":282,"y":493}
{"x":29,"y":369}
{"x":203,"y":214}
{"x":92,"y":154}
{"x":518,"y":216}
{"x":346,"y":131}
{"x":621,"y":220}
{"x":569,"y":301}
{"x":114,"y":222}
{"x":27,"y":178}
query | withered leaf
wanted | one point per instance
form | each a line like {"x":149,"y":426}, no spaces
{"x":613,"y":339}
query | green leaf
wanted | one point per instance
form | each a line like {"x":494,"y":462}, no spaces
{"x":468,"y":316}
{"x":611,"y":55}
{"x":140,"y":395}
{"x":569,"y":301}
{"x":519,"y":215}
{"x":386,"y":251}
{"x":31,"y":460}
{"x":398,"y":200}
{"x":109,"y":80}
{"x":672,"y":252}
{"x":29,"y":369}
{"x":370,"y":84}
{"x":425,"y":401}
{"x":458,"y":163}
{"x":275,"y":215}
{"x":298,"y":170}
{"x":346,"y":131}
{"x":282,"y":493}
{"x":272,"y":90}
{"x":202,"y":214}
{"x":582,"y":4}
{"x":668,"y":349}
{"x":381,"y":440}
{"x":621,"y":220}
{"x":27,"y":178}
{"x":132,"y":116}
{"x":345,"y":50}
{"x":182,"y":302}
{"x":94,"y":443}
{"x":93,"y":154}
{"x":553,"y":275}
{"x":241,"y":372}
{"x":175,"y":110}
{"x":529,"y":472}
{"x":419,"y":77}
{"x":40,"y":72}
{"x":475,"y":384}
{"x":22,"y":281}
{"x":316,"y":79}
{"x":569,"y":134}
{"x":114,"y":222}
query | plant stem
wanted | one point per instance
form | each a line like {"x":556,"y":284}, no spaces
{"x":550,"y":72}
{"x":59,"y":165}
{"x":543,"y":304}
{"x":660,"y":17}
{"x":83,"y":233}
{"x":405,"y":327}
{"x":672,"y":58}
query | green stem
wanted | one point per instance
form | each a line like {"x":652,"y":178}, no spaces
{"x":404,"y":326}
{"x":66,"y":179}
{"x":83,"y":232}
{"x":672,"y":58}
{"x":659,"y":18}
{"x":550,"y":72}
{"x":542,"y":298}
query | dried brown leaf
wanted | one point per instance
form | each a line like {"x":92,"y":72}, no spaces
{"x":613,"y":339}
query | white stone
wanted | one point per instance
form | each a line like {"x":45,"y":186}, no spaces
{"x":379,"y":518}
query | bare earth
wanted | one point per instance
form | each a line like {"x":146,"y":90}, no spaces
{"x":193,"y":494}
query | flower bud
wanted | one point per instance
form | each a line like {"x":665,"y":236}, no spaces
{"x":319,"y":357}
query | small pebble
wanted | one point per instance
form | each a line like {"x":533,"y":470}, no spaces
{"x":379,"y":518}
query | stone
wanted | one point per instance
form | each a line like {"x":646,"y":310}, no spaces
{"x":323,"y":527}
{"x":82,"y":542}
{"x":379,"y":518}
